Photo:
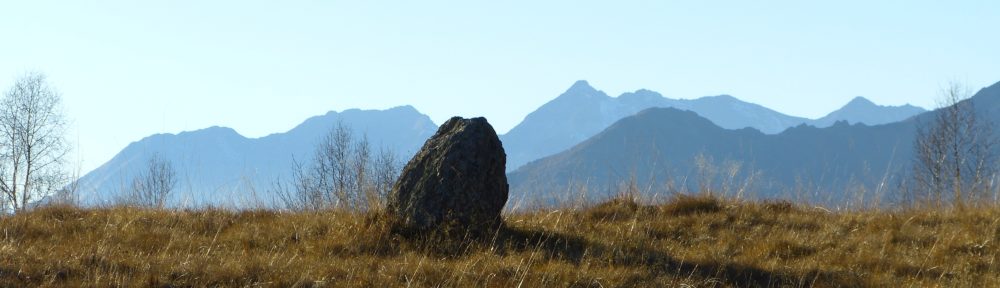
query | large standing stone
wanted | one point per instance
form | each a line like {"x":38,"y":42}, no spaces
{"x":455,"y":182}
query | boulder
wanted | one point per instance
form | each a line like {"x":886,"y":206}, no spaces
{"x":455,"y":183}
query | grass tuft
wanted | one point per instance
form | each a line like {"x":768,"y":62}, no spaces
{"x":688,"y":205}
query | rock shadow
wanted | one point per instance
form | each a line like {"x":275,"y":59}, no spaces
{"x":573,"y":249}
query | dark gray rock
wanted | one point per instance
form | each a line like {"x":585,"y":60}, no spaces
{"x":455,"y":183}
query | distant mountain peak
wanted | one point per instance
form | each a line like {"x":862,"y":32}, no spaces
{"x":581,"y":87}
{"x":581,"y":84}
{"x":642,"y":95}
{"x":862,"y":110}
{"x":404,"y":108}
{"x":213,"y":131}
{"x":861,"y":101}
{"x":581,"y":91}
{"x":726,"y":97}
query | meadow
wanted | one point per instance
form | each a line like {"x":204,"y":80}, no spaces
{"x":700,"y":241}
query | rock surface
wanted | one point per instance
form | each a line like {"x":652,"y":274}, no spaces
{"x":455,"y":183}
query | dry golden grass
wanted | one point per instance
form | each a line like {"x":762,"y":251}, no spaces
{"x":699,"y":241}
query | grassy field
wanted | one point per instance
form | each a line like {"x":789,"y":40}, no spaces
{"x":699,"y":241}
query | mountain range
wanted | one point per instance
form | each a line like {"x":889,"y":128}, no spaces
{"x":660,"y":146}
{"x":582,"y":112}
{"x":217,"y":165}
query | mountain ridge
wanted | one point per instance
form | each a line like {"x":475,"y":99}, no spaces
{"x":216,"y":165}
{"x":804,"y":162}
{"x":572,"y":118}
{"x":582,"y":111}
{"x":863,"y":110}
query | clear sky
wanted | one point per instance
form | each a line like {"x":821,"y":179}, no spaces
{"x":128,"y":69}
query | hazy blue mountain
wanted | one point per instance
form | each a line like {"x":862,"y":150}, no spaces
{"x":218,"y":166}
{"x":582,"y":112}
{"x":861,"y":110}
{"x":659,"y":145}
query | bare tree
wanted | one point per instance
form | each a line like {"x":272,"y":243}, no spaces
{"x":152,"y":186}
{"x":330,"y":170}
{"x":343,"y":174}
{"x":32,"y":141}
{"x":339,"y":156}
{"x":384,"y":174}
{"x":360,"y":166}
{"x":955,"y":155}
{"x":301,"y":194}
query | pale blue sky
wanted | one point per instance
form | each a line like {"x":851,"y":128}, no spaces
{"x":128,"y":69}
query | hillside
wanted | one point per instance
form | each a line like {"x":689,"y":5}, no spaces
{"x":698,"y":241}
